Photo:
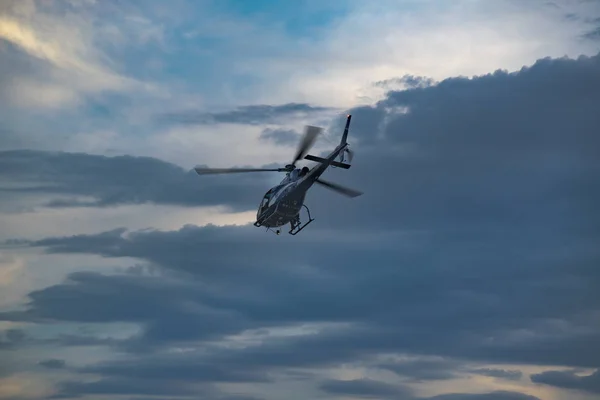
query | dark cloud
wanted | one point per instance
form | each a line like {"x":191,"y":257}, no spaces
{"x":367,"y":388}
{"x":110,"y":181}
{"x":427,"y":296}
{"x":15,"y":335}
{"x":569,"y":380}
{"x":594,"y":34}
{"x":248,"y":115}
{"x":513,"y":375}
{"x":53,"y":363}
{"x":572,"y":17}
{"x":177,"y":374}
{"x":119,"y":386}
{"x":281,"y":136}
{"x":10,"y":340}
{"x":424,"y":369}
{"x":151,"y":301}
{"x":74,"y":340}
{"x":364,"y":388}
{"x":366,"y":122}
{"x":483,"y":154}
{"x":499,"y":395}
{"x":176,"y":368}
{"x":239,"y":397}
{"x":475,"y":241}
{"x":205,"y":396}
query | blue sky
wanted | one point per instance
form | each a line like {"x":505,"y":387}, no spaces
{"x":465,"y":271}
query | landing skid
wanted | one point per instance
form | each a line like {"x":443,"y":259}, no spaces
{"x":296,"y":224}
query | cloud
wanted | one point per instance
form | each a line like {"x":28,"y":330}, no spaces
{"x":142,"y":291}
{"x":11,"y":273}
{"x":498,"y":395}
{"x":486,"y":195}
{"x":53,"y":363}
{"x":15,"y":335}
{"x":119,"y":386}
{"x":363,"y":388}
{"x":78,"y":179}
{"x":481,"y":151}
{"x":280,"y":136}
{"x":434,"y":39}
{"x":11,"y":338}
{"x":250,"y":115}
{"x":297,"y":296}
{"x":475,"y":243}
{"x":177,"y":368}
{"x":569,"y":380}
{"x":499,"y":373}
{"x":366,"y":388}
{"x":423,"y":369}
{"x":593,"y":34}
{"x":202,"y":57}
{"x":406,"y":82}
{"x":143,"y":388}
{"x":63,"y":66}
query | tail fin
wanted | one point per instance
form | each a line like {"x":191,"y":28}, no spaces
{"x":345,"y":135}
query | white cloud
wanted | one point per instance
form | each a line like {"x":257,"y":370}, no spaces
{"x":70,"y":64}
{"x":437,"y":39}
{"x":29,"y":92}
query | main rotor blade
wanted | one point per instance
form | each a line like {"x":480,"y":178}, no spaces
{"x":308,"y":140}
{"x":212,"y":171}
{"x":339,"y":188}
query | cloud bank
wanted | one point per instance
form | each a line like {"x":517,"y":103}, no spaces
{"x":484,"y":191}
{"x":467,"y":270}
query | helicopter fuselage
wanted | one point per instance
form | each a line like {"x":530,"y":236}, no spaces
{"x":284,"y":209}
{"x":282,"y":203}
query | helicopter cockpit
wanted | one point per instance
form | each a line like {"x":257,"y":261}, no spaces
{"x":266,"y":201}
{"x":274,"y":192}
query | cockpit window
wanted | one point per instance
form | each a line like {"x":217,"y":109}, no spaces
{"x":264,"y":202}
{"x":268,"y":196}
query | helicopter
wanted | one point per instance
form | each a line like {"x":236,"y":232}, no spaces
{"x":282,"y":204}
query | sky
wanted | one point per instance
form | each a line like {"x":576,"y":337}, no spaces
{"x":468,"y":269}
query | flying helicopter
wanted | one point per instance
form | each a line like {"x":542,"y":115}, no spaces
{"x":282,"y":203}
